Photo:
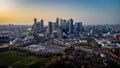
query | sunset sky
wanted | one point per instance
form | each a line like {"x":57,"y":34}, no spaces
{"x":88,"y":11}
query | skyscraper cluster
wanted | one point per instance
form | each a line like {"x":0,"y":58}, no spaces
{"x":67,"y":26}
{"x":38,"y":25}
{"x":60,"y":27}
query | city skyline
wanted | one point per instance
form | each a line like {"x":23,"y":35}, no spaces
{"x":89,"y":12}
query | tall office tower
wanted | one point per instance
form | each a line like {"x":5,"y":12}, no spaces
{"x":42,"y":24}
{"x":50,"y":27}
{"x":67,"y":26}
{"x":60,"y":33}
{"x":63,"y":26}
{"x":34,"y":26}
{"x":39,"y":27}
{"x":61,"y":22}
{"x":57,"y":22}
{"x":39,"y":24}
{"x":71,"y":27}
{"x":35,"y":20}
{"x":53,"y":25}
{"x":78,"y":27}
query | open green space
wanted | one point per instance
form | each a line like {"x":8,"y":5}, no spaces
{"x":19,"y":60}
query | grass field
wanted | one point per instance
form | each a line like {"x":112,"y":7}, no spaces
{"x":18,"y":60}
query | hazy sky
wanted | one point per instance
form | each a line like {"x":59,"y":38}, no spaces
{"x":87,"y":11}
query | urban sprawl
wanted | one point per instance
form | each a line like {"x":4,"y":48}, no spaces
{"x":91,"y":46}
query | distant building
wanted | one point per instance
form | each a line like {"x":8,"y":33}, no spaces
{"x":61,"y":22}
{"x":117,"y":29}
{"x":60,"y":33}
{"x":78,"y":27}
{"x":63,"y":25}
{"x":34,"y":26}
{"x":54,"y":26}
{"x":35,"y":20}
{"x":57,"y":22}
{"x":42,"y":24}
{"x":55,"y":34}
{"x":50,"y":27}
{"x":71,"y":27}
{"x":67,"y":25}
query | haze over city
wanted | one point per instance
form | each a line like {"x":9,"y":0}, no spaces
{"x":88,"y":11}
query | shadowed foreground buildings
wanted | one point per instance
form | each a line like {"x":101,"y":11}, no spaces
{"x":76,"y":58}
